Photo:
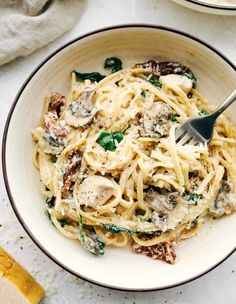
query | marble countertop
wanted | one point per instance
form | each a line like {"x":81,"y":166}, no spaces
{"x":218,"y":286}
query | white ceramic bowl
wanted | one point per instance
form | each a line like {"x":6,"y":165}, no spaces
{"x":206,"y":7}
{"x":118,"y":268}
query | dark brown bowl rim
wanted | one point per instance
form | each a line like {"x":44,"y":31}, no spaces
{"x":4,"y":141}
{"x":213,"y":6}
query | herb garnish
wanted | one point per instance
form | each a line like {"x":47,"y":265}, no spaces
{"x":114,"y":63}
{"x":116,"y":230}
{"x":154,"y":80}
{"x":93,"y":76}
{"x":192,"y":77}
{"x":192,"y":197}
{"x":109,"y":141}
{"x":50,"y":201}
{"x":90,"y":240}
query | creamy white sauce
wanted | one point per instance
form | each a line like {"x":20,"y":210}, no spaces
{"x":220,"y":2}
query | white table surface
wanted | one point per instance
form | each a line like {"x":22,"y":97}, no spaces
{"x":218,"y":286}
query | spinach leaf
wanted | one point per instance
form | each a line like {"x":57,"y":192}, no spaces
{"x":116,"y":230}
{"x":94,"y":76}
{"x":192,"y":77}
{"x":202,"y":112}
{"x":114,"y":63}
{"x":50,"y":201}
{"x":174,"y":117}
{"x":154,"y":80}
{"x":90,"y":240}
{"x":192,"y":197}
{"x":109,"y":141}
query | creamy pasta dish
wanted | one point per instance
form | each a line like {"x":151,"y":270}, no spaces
{"x":111,"y":171}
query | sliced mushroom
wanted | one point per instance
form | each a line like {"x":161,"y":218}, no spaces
{"x":173,"y":80}
{"x":157,"y":120}
{"x":160,"y":202}
{"x":170,"y":67}
{"x":51,"y":145}
{"x":82,"y":111}
{"x":169,"y":209}
{"x":95,"y":191}
{"x":150,"y":66}
{"x":225,"y":201}
{"x":163,"y":68}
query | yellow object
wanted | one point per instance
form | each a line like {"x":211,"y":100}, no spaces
{"x":16,"y":284}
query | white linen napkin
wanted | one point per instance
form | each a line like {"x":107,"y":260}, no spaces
{"x":26,"y":25}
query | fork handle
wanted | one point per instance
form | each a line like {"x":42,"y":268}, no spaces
{"x":224,"y":105}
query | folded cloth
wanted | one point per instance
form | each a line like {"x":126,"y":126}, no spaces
{"x":26,"y":25}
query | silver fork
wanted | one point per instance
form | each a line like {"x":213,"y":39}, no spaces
{"x":200,"y":129}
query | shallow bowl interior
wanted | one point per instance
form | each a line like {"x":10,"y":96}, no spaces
{"x":118,"y":268}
